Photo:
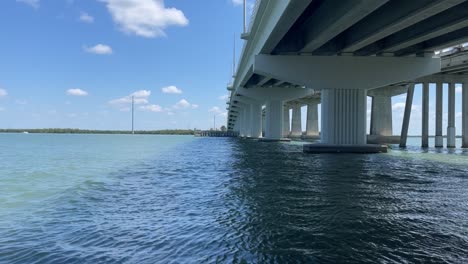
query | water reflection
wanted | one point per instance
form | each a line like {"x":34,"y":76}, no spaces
{"x":337,"y":208}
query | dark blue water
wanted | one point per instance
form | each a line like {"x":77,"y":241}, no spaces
{"x":217,"y":200}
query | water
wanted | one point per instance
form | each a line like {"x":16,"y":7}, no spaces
{"x":179,"y":199}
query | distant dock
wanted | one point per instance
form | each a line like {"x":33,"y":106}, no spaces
{"x":216,"y":133}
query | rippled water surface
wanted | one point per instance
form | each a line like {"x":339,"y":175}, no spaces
{"x":179,"y":199}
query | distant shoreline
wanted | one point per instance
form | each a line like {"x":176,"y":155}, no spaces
{"x":89,"y":131}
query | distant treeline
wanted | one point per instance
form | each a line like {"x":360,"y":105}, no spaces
{"x":85,"y":131}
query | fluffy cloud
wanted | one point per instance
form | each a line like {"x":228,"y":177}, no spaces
{"x":99,"y":49}
{"x":217,"y":111}
{"x":32,"y":3}
{"x":152,"y":108}
{"x":171,"y":90}
{"x":140,"y":97}
{"x":184,"y":104}
{"x":85,"y":17}
{"x":77,"y":92}
{"x":3,"y":92}
{"x":145,"y":18}
{"x":224,"y":97}
{"x":398,"y":106}
{"x":458,"y":89}
{"x":141,"y":94}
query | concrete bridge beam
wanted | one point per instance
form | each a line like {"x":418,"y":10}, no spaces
{"x":355,"y":72}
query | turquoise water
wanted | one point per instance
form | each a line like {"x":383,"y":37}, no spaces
{"x":180,"y":199}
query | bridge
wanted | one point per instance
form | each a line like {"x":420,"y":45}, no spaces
{"x":335,"y":54}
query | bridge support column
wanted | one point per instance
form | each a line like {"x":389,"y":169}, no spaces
{"x":296,"y":128}
{"x":344,"y":116}
{"x":246,"y":123}
{"x":274,"y":116}
{"x":286,"y":122}
{"x":425,"y":116}
{"x":407,"y":115}
{"x":344,"y":123}
{"x":256,"y":120}
{"x":312,"y":119}
{"x":451,"y":116}
{"x":465,"y":115}
{"x":381,"y":115}
{"x":439,"y":140}
{"x":241,"y":120}
{"x":263,"y":123}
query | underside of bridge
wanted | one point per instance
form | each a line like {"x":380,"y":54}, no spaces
{"x":341,"y":52}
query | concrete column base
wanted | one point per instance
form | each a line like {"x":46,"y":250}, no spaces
{"x":439,"y":142}
{"x":376,"y":139}
{"x":450,"y":137}
{"x":274,"y":140}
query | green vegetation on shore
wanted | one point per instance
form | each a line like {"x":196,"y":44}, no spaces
{"x":85,"y":131}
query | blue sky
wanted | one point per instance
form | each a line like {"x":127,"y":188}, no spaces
{"x":74,"y":63}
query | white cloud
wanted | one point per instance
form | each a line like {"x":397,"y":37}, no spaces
{"x":216,"y":110}
{"x":99,"y":49}
{"x":237,"y":2}
{"x":184,"y":104}
{"x":85,"y":17}
{"x":141,"y":94}
{"x":224,"y":97}
{"x":401,"y":107}
{"x":3,"y":92}
{"x":77,"y":92}
{"x":152,"y":108}
{"x":145,"y":18}
{"x":171,"y":90}
{"x":140,"y":97}
{"x":398,"y":106}
{"x":21,"y":102}
{"x":32,"y":3}
{"x":459,"y":89}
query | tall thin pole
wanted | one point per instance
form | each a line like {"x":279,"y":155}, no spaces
{"x":245,"y":16}
{"x":214,"y":122}
{"x":133,"y":114}
{"x":234,"y":58}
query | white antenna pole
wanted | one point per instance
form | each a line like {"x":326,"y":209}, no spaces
{"x":234,"y":58}
{"x":245,"y":16}
{"x":133,"y":114}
